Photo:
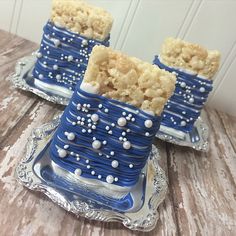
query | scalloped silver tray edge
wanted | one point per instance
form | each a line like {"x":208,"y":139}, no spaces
{"x":144,"y":219}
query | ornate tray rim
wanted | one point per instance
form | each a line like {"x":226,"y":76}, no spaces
{"x":201,"y":145}
{"x":26,"y":176}
{"x":23,"y":66}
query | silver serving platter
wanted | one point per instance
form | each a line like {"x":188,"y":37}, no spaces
{"x":28,"y":173}
{"x":196,"y":139}
{"x":23,"y":79}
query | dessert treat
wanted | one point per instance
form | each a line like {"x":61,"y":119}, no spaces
{"x":194,"y":67}
{"x":105,"y":136}
{"x":69,"y":37}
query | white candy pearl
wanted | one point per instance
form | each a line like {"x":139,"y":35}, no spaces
{"x":40,"y":76}
{"x":78,"y":172}
{"x":58,"y":77}
{"x":183,"y":84}
{"x":148,"y":123}
{"x":55,"y":67}
{"x":191,"y":100}
{"x":127,"y":145}
{"x":84,"y":42}
{"x":71,"y":136}
{"x":99,"y":176}
{"x":121,"y":121}
{"x":202,"y":89}
{"x":110,"y":179}
{"x":70,"y":58}
{"x":94,"y":117}
{"x":96,"y":144}
{"x":183,"y":123}
{"x":62,"y":153}
{"x":57,"y":42}
{"x":116,"y":179}
{"x":131,"y":166}
{"x":39,"y":55}
{"x":92,"y":172}
{"x":115,"y":164}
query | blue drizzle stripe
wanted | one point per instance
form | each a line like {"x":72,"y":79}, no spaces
{"x":190,"y":95}
{"x":100,"y":160}
{"x":68,"y":73}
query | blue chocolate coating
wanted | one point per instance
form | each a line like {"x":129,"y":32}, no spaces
{"x":190,"y":95}
{"x":77,"y":121}
{"x":67,"y":52}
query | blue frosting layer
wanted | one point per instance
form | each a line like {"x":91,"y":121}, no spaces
{"x":190,"y":95}
{"x":63,"y":56}
{"x":103,"y":139}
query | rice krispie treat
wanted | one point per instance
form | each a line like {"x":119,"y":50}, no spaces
{"x":82,"y":18}
{"x":104,"y":137}
{"x":69,"y":36}
{"x":193,"y":57}
{"x":128,"y":79}
{"x":194,"y":67}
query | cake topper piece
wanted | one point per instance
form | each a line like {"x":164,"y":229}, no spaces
{"x":128,"y":79}
{"x":82,"y":18}
{"x":189,"y":56}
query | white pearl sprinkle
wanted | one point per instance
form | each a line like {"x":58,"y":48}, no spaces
{"x":58,"y":77}
{"x":78,"y":172}
{"x":84,"y":42}
{"x":124,"y":113}
{"x":92,"y":172}
{"x":116,"y":179}
{"x":100,"y":106}
{"x":96,"y":144}
{"x":112,"y":153}
{"x":131,"y":166}
{"x":57,"y":42}
{"x":87,"y":161}
{"x":127,"y":145}
{"x":121,"y":121}
{"x":39,"y":55}
{"x":62,"y":153}
{"x":114,"y":164}
{"x":70,"y":58}
{"x":106,"y":110}
{"x":183,"y":123}
{"x":55,"y":67}
{"x":123,"y":133}
{"x":104,"y":142}
{"x":88,"y":166}
{"x":183,"y":84}
{"x":147,"y":134}
{"x":110,"y":132}
{"x":99,"y":176}
{"x":66,"y":146}
{"x":191,"y":100}
{"x":148,"y":123}
{"x":110,"y":179}
{"x":202,"y":90}
{"x":94,"y":117}
{"x":107,"y":127}
{"x":71,"y":136}
{"x":83,"y":130}
{"x":40,"y":76}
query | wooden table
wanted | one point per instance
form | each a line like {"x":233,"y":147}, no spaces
{"x":202,"y":186}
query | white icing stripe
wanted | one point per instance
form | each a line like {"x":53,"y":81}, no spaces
{"x":173,"y":132}
{"x":53,"y":88}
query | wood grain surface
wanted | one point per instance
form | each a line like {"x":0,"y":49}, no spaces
{"x":202,"y":186}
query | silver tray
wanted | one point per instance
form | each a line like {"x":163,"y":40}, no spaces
{"x":196,"y":139}
{"x":28,"y":169}
{"x":23,"y":79}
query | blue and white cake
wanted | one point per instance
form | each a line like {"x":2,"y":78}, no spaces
{"x":106,"y":141}
{"x":68,"y":39}
{"x":194,"y":67}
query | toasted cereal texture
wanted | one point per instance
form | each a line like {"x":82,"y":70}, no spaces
{"x":193,"y":57}
{"x":129,"y":79}
{"x":80,"y":17}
